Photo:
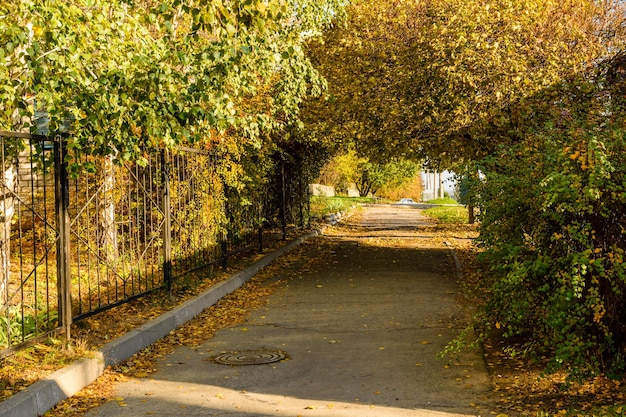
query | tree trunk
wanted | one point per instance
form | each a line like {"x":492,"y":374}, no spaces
{"x":107,"y":211}
{"x":7,"y":210}
{"x":442,"y":193}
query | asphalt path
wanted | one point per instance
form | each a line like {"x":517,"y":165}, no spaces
{"x":359,"y":330}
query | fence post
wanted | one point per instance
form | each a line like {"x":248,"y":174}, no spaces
{"x":284,"y":200}
{"x":225,"y":234}
{"x":167,"y":224}
{"x":64,"y":279}
{"x":301,"y":198}
{"x":260,"y":214}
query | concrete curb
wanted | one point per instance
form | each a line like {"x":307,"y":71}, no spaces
{"x":457,"y":262}
{"x":45,"y":394}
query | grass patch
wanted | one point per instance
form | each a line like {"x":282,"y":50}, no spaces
{"x":445,"y":200}
{"x":448,"y":214}
{"x":321,"y":206}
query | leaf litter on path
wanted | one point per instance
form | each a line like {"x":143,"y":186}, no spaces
{"x":229,"y":311}
{"x":517,"y":383}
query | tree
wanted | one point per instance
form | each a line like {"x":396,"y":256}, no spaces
{"x":225,"y":76}
{"x":174,"y":72}
{"x":7,"y":211}
{"x":374,"y":177}
{"x":134,"y":76}
{"x":347,"y":170}
{"x":439,"y":80}
{"x":526,"y":93}
{"x":342,"y":170}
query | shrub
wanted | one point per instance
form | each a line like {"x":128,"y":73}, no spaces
{"x":552,"y":224}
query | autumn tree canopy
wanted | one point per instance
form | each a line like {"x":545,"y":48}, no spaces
{"x":525,"y":98}
{"x":442,"y":79}
{"x":135,"y":74}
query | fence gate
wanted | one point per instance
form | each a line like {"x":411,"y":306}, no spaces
{"x":29,"y":299}
{"x":116,"y":224}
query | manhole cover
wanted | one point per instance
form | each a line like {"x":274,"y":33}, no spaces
{"x":250,"y":357}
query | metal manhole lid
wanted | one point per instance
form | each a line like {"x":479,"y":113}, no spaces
{"x":250,"y":357}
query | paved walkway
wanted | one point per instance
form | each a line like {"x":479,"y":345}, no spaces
{"x":361,"y":330}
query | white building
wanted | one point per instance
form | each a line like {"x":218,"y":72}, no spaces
{"x":437,"y":184}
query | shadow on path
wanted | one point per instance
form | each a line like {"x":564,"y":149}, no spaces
{"x":362,"y":328}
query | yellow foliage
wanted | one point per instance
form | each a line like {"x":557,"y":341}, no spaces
{"x":418,"y":78}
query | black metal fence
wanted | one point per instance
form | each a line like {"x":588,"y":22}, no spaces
{"x":72,"y":247}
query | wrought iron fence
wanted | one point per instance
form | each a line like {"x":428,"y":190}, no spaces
{"x":28,"y":238}
{"x":72,"y":247}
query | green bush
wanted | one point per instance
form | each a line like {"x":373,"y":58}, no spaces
{"x":15,"y":327}
{"x":553,"y":222}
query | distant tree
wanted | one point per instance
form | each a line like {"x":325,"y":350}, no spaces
{"x":394,"y":174}
{"x":342,"y":170}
